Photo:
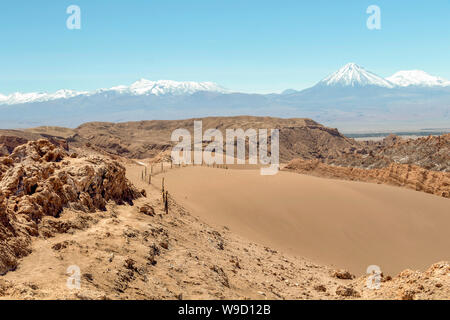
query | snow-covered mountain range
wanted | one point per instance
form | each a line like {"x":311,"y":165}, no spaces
{"x":417,"y":78}
{"x":141,"y":87}
{"x":350,"y":75}
{"x":350,"y":98}
{"x":17,"y":97}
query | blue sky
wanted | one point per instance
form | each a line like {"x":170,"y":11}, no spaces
{"x":245,"y":45}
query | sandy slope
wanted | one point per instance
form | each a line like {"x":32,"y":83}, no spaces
{"x":125,"y":254}
{"x":343,"y":223}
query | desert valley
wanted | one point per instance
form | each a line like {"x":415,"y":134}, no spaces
{"x":225,"y":159}
{"x":106,"y":201}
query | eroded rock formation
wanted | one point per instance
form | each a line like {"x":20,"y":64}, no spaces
{"x":9,"y":143}
{"x":14,"y":138}
{"x":431,"y":153}
{"x":40,"y":179}
{"x":404,"y":175}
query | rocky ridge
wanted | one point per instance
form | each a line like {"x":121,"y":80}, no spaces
{"x":409,"y":176}
{"x":431,"y":153}
{"x":148,"y":139}
{"x":299,"y":138}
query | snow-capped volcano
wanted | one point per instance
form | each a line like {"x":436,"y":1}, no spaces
{"x":351,"y":97}
{"x":141,"y":87}
{"x":417,"y":78}
{"x":352,"y":75}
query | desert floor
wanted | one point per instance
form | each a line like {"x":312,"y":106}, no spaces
{"x":342,"y":223}
{"x":233,"y":234}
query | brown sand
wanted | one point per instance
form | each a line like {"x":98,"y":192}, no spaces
{"x":343,"y":223}
{"x":125,"y":254}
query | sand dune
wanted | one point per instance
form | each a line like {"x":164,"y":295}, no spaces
{"x":343,"y":223}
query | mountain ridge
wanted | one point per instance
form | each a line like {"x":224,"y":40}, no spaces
{"x":419,"y":78}
{"x":356,"y":99}
{"x":350,"y":75}
{"x":140,"y":87}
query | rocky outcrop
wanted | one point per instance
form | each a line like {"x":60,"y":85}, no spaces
{"x":431,"y":153}
{"x":312,"y":142}
{"x":298,"y":137}
{"x":403,"y":175}
{"x":39,"y":179}
{"x":9,"y":142}
{"x":347,"y":292}
{"x":431,"y":284}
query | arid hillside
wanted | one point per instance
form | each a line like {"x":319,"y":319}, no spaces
{"x":10,"y":139}
{"x":299,"y":138}
{"x":38,"y":181}
{"x":137,"y":251}
{"x":432,"y":153}
{"x":146,"y":139}
{"x":402,"y":175}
